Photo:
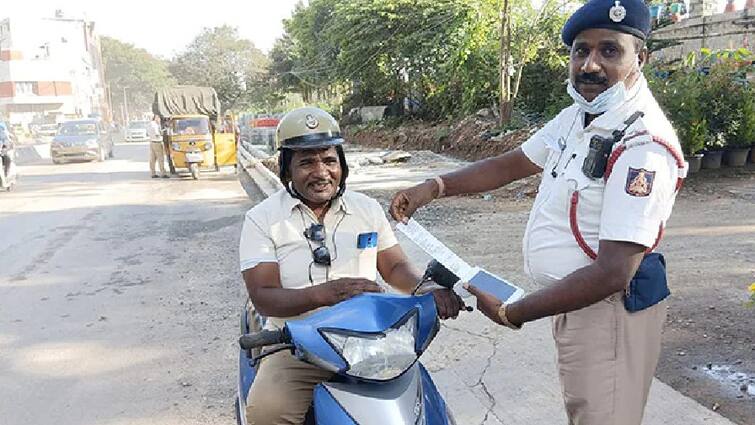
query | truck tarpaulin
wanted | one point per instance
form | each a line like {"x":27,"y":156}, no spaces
{"x":187,"y":100}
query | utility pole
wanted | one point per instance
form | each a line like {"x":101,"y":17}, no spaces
{"x":125,"y":106}
{"x":504,"y":100}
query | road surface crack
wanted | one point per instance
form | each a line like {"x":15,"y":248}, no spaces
{"x":481,"y":383}
{"x":481,"y":380}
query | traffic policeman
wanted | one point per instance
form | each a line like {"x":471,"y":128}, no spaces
{"x":312,"y":245}
{"x":156,"y":150}
{"x":611,"y":169}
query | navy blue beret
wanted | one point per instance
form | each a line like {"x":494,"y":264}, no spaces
{"x":628,"y":16}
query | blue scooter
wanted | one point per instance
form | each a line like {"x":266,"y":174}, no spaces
{"x":372,"y":343}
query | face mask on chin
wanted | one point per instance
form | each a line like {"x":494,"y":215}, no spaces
{"x":605,"y":101}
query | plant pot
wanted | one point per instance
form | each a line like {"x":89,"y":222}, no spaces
{"x":695,"y":162}
{"x":736,"y":157}
{"x":712,"y":160}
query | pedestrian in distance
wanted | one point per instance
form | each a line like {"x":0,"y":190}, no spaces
{"x":166,"y":148}
{"x":156,"y":150}
{"x":313,"y":245}
{"x":611,"y":167}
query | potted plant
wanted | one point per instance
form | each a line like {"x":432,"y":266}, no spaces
{"x":726,"y":96}
{"x":693,"y":140}
{"x":746,"y":131}
{"x":741,"y":132}
{"x":714,"y":151}
{"x":679,"y":92}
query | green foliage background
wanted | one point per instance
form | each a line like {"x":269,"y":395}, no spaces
{"x":443,"y":54}
{"x":136,"y":70}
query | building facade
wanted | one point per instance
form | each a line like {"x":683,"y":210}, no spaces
{"x":50,"y":70}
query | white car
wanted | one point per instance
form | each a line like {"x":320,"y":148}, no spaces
{"x":45,"y":132}
{"x":136,"y":131}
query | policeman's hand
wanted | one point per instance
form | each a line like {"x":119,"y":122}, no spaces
{"x":407,"y":201}
{"x":335,"y":291}
{"x":486,"y":303}
{"x":448,"y":303}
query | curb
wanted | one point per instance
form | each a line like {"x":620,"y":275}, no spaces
{"x":261,"y":176}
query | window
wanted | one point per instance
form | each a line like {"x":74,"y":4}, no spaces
{"x":24,"y":88}
{"x":78,"y":129}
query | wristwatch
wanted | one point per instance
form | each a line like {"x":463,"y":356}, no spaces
{"x":505,"y":320}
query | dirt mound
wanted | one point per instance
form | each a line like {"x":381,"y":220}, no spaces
{"x":471,"y":139}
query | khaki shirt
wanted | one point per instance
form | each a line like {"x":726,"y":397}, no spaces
{"x":273,"y":232}
{"x":611,"y":209}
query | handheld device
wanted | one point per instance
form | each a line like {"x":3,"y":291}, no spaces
{"x":498,"y":287}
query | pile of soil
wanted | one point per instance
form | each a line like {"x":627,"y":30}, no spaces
{"x":471,"y":139}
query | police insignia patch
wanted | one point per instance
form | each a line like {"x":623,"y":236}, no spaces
{"x":639,"y":182}
{"x":311,"y":122}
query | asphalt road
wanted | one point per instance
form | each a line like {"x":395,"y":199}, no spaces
{"x":119,"y":294}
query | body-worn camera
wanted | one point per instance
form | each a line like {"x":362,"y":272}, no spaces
{"x":597,"y":158}
{"x":596,"y":161}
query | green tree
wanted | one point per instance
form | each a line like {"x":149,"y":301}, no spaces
{"x":135,"y":70}
{"x":220,"y":58}
{"x":532,"y":33}
{"x":422,"y":49}
{"x":443,"y":53}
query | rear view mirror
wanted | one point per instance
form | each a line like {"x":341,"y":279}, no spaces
{"x":440,"y":274}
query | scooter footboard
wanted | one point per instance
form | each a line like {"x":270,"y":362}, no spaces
{"x":408,"y":400}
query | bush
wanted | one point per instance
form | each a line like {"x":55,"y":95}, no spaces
{"x":708,"y":99}
{"x":679,"y":93}
{"x":746,"y":134}
{"x":741,"y":129}
{"x":543,"y":91}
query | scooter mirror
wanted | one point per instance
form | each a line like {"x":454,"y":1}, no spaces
{"x":440,"y":274}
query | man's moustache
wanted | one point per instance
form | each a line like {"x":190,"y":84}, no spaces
{"x":591,"y":79}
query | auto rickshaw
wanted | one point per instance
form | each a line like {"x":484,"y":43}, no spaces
{"x":196,"y":146}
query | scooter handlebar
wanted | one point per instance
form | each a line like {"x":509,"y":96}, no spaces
{"x":262,"y":339}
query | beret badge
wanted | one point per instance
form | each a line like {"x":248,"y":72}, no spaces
{"x":617,"y":13}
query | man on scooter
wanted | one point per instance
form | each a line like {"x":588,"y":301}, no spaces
{"x":311,"y":246}
{"x":6,"y":151}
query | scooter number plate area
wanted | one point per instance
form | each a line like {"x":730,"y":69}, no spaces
{"x":194,"y":157}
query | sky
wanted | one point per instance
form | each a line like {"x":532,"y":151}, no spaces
{"x":165,"y":27}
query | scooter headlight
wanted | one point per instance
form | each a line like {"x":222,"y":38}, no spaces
{"x":175,"y":146}
{"x":208,"y":146}
{"x":377,"y":356}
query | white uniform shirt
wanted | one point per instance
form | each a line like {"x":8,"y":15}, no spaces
{"x":153,"y":132}
{"x":274,"y":232}
{"x":618,"y":209}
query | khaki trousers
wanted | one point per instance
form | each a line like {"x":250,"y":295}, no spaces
{"x":156,"y":155}
{"x":282,"y":390}
{"x":606,"y":361}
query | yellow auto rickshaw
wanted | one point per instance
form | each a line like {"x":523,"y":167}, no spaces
{"x":197,"y":145}
{"x":198,"y":137}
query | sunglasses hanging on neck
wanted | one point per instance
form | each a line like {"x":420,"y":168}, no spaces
{"x":321,"y":254}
